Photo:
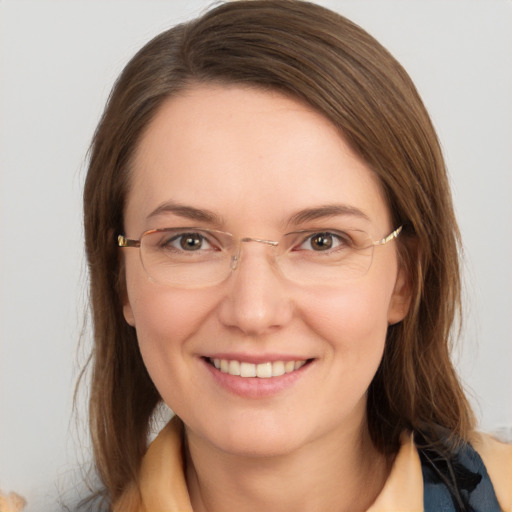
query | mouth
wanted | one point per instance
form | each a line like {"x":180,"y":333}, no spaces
{"x":264,"y":370}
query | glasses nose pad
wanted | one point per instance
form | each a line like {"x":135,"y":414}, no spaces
{"x":235,"y":259}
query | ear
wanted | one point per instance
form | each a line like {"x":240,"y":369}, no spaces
{"x":401,"y":299}
{"x":123,"y":293}
{"x":128,"y":313}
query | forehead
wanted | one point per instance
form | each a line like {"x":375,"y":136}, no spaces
{"x":247,"y":155}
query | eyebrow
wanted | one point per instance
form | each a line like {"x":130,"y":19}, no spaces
{"x":329,"y":210}
{"x":306,"y":215}
{"x":187,"y":212}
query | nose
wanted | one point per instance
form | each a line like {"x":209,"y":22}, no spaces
{"x":257,"y":299}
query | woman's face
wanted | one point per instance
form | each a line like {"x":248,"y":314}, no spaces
{"x":258,"y":164}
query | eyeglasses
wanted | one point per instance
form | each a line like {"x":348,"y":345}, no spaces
{"x":195,"y":257}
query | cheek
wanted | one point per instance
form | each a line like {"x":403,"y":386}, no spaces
{"x":165,"y":321}
{"x":160,"y":313}
{"x":352,"y":323}
{"x":353,"y":320}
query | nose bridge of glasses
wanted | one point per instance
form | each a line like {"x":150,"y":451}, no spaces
{"x":235,"y":259}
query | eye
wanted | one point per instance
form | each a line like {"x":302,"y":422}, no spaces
{"x":190,"y":242}
{"x":324,"y":241}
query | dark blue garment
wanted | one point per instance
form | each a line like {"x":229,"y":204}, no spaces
{"x":458,"y":483}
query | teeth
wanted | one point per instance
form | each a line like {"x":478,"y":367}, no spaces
{"x":234,"y":368}
{"x":247,"y":370}
{"x":261,"y":370}
{"x":264,"y":370}
{"x":278,"y":369}
{"x":289,"y":366}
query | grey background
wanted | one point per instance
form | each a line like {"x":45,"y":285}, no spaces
{"x":58,"y":60}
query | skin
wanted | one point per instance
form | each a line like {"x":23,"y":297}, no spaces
{"x":255,"y":158}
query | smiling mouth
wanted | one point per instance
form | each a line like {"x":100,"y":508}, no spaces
{"x":264,"y":370}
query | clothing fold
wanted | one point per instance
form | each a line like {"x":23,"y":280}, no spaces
{"x":409,"y":488}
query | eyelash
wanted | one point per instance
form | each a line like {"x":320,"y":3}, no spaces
{"x":336,"y":238}
{"x":179,"y":238}
{"x":339,"y":238}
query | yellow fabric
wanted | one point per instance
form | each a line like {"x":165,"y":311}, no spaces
{"x":162,"y":486}
{"x":162,"y":479}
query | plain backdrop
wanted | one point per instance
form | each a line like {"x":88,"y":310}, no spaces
{"x":58,"y":61}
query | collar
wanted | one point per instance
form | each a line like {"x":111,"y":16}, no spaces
{"x":162,"y":479}
{"x":162,"y":486}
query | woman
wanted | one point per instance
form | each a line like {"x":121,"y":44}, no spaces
{"x":273,"y":253}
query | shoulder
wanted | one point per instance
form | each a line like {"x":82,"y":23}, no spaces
{"x":497,"y":457}
{"x":476,"y":476}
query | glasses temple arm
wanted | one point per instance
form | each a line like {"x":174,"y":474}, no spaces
{"x":390,"y":237}
{"x":122,"y":241}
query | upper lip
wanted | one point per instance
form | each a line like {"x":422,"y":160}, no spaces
{"x":256,"y":358}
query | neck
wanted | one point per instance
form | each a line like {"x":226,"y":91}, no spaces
{"x":340,"y":475}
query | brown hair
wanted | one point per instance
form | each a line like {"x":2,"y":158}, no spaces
{"x":319,"y":57}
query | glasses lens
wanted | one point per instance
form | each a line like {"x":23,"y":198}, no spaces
{"x":186,"y":257}
{"x":326,"y":257}
{"x":192,"y":257}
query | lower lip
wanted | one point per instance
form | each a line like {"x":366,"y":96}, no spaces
{"x":255,"y":387}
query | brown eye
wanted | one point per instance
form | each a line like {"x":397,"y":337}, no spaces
{"x":322,"y":241}
{"x":191,"y":241}
{"x":329,"y":242}
{"x":186,"y":242}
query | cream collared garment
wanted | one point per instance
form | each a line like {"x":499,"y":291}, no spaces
{"x":162,"y":486}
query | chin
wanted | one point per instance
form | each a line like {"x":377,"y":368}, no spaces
{"x":260,"y":446}
{"x":253,"y":439}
